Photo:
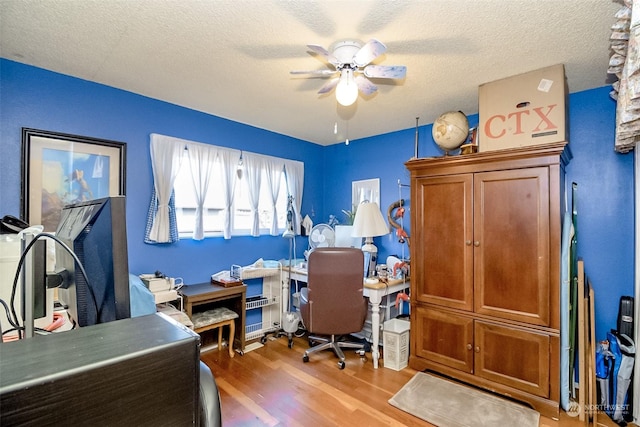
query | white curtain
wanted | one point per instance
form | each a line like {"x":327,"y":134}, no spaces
{"x":274,"y":170}
{"x":273,"y":167}
{"x":229,"y":160}
{"x":166,"y":156}
{"x":201,"y":159}
{"x":295,"y":183}
{"x":165,"y":162}
{"x":625,"y":64}
{"x":253,"y":174}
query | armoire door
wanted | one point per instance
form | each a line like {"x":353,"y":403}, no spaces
{"x":443,"y":236}
{"x":514,"y":357}
{"x":511,"y":244}
{"x":444,"y":338}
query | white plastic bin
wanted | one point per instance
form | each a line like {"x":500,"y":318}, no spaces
{"x":9,"y":256}
{"x":10,"y":252}
{"x":395,"y":338}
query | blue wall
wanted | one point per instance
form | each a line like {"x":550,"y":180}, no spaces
{"x":605,"y":191}
{"x":36,"y":98}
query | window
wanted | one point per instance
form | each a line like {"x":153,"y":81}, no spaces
{"x":213,"y":209}
{"x":242,"y":206}
{"x":213,"y":196}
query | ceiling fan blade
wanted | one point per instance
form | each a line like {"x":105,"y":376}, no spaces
{"x":320,"y":73}
{"x":328,"y":86}
{"x":365,"y":86}
{"x":323,"y":52}
{"x":367,"y":53}
{"x":386,"y":71}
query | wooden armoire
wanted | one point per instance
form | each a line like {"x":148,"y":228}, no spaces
{"x":485,"y":269}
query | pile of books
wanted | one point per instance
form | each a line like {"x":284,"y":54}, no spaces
{"x":162,"y":288}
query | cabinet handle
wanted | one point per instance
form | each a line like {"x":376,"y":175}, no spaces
{"x":468,"y":242}
{"x":469,"y":346}
{"x":477,"y":349}
{"x":476,"y":243}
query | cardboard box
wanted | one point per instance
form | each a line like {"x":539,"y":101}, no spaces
{"x":527,"y":109}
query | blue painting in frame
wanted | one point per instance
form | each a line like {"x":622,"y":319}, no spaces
{"x":60,"y":169}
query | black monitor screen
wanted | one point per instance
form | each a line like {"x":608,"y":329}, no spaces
{"x":96,"y":232}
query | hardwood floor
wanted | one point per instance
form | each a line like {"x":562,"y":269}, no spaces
{"x":271,"y":386}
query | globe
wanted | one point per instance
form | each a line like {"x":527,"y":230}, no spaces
{"x":450,"y":130}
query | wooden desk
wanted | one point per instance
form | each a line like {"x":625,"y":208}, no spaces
{"x":138,"y":371}
{"x":234,"y":298}
{"x":374,"y":292}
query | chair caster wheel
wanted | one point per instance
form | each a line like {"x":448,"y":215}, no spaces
{"x":263,"y":340}
{"x":290,"y":344}
{"x":305,"y":358}
{"x":341,"y":364}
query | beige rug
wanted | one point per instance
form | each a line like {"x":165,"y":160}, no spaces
{"x":448,"y":404}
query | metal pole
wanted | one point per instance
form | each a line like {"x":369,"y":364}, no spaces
{"x":416,"y":143}
{"x":28,"y":296}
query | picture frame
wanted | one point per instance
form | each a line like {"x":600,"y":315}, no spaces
{"x":60,"y":169}
{"x":366,"y":189}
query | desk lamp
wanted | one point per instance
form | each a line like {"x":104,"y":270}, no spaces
{"x":369,"y":223}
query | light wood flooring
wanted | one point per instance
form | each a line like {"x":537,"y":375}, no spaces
{"x":271,"y":386}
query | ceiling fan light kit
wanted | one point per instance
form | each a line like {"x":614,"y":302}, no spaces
{"x":351,"y":59}
{"x":347,"y":89}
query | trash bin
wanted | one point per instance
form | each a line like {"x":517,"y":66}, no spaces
{"x":395,"y":341}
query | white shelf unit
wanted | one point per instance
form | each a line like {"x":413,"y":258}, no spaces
{"x":269,"y":301}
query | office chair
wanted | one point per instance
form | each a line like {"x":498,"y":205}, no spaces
{"x":332,"y":304}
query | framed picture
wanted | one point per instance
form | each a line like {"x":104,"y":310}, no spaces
{"x":366,"y":189}
{"x":60,"y":169}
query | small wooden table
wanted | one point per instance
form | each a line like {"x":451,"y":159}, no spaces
{"x":234,"y":298}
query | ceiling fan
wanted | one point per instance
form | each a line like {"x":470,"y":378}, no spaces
{"x":351,"y":60}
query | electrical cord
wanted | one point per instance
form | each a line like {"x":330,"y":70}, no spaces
{"x":15,"y":322}
{"x":8,"y":313}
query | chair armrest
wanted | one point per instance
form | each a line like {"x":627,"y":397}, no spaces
{"x":304,"y":295}
{"x":210,"y":413}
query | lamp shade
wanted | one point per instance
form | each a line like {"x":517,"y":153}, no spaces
{"x":369,"y":221}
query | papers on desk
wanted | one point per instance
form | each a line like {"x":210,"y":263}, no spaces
{"x":224,"y":278}
{"x":165,"y":296}
{"x":258,"y":269}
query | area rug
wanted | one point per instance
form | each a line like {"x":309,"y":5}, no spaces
{"x":448,"y":404}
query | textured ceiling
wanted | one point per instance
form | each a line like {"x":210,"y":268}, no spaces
{"x":232,"y":58}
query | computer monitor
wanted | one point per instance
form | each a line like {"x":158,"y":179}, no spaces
{"x":344,"y":238}
{"x":96,"y":232}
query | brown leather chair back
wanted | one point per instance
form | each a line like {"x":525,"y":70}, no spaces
{"x":336,"y":305}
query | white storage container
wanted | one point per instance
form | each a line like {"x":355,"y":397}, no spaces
{"x":10,"y":252}
{"x":395,"y":336}
{"x":9,"y":256}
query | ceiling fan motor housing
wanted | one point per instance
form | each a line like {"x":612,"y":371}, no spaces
{"x":344,"y":51}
